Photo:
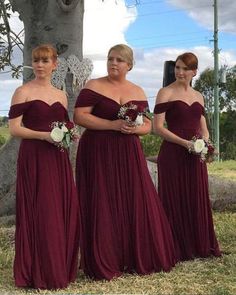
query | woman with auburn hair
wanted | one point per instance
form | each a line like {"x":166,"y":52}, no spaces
{"x":182,"y":171}
{"x":46,"y":238}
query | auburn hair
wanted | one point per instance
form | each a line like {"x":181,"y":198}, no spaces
{"x":189,"y":59}
{"x":44,"y":51}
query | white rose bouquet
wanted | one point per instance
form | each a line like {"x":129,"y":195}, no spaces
{"x":205,"y":149}
{"x":64,"y":133}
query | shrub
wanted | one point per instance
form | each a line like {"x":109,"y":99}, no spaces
{"x":151,"y":144}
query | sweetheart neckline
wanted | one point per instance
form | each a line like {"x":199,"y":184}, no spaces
{"x":116,"y":102}
{"x":39,"y":100}
{"x":184,"y":102}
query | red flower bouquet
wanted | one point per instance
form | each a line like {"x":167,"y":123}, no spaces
{"x":132,"y":113}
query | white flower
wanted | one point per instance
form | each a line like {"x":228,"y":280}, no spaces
{"x":57,"y":134}
{"x":198,"y":145}
{"x":205,"y":150}
{"x":139,"y":120}
{"x":64,"y":128}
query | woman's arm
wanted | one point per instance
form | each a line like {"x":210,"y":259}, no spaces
{"x":143,"y":129}
{"x":203,"y":128}
{"x":203,"y":125}
{"x":84,"y":117}
{"x":159,"y":129}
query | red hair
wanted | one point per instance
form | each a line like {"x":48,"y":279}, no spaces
{"x":189,"y":59}
{"x":44,"y":51}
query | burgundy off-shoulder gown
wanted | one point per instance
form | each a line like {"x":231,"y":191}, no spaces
{"x":183,"y":184}
{"x":47,"y":219}
{"x":124,"y":227}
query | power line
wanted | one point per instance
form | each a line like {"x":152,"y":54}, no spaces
{"x":167,"y":35}
{"x":169,"y":11}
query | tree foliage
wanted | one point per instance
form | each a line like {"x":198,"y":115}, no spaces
{"x":9,"y":40}
{"x":228,"y":134}
{"x":227,"y":91}
{"x":227,"y":106}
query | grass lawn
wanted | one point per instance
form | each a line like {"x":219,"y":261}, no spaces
{"x":4,"y":131}
{"x":211,"y":276}
{"x":215,"y":276}
{"x":226,"y":169}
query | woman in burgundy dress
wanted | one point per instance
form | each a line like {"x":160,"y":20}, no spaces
{"x":46,"y":239}
{"x":124,"y":227}
{"x":182,"y":176}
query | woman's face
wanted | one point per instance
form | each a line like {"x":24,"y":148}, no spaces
{"x":116,"y":65}
{"x":182,"y":72}
{"x":43,"y":66}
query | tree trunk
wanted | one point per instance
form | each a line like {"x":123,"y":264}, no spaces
{"x":60,"y":23}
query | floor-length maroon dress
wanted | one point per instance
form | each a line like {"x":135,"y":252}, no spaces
{"x":46,"y":239}
{"x":183,"y":184}
{"x":124,"y":227}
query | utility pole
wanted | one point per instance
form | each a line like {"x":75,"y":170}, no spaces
{"x":216,"y":81}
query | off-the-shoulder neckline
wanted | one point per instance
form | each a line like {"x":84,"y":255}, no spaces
{"x":116,"y":102}
{"x":39,"y":100}
{"x":179,"y":100}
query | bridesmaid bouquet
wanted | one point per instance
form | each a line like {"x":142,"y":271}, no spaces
{"x":64,"y":133}
{"x":204,"y":148}
{"x":132,"y":113}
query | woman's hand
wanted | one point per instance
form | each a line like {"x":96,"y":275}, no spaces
{"x":123,"y":127}
{"x":128,"y":129}
{"x":47,"y":137}
{"x":189,"y":145}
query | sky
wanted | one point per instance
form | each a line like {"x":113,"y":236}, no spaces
{"x":156,"y":30}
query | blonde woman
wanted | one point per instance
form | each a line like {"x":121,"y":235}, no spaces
{"x":124,"y":227}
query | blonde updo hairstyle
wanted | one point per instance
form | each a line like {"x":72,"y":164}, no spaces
{"x":44,"y":51}
{"x":125,"y":52}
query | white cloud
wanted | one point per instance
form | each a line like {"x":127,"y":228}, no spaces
{"x":105,"y":24}
{"x":203,"y":12}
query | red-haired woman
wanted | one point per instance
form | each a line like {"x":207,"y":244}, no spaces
{"x":182,"y":176}
{"x":46,"y":240}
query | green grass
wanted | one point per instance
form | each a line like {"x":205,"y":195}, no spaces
{"x":215,"y":276}
{"x":225,"y":169}
{"x":4,"y":131}
{"x":212,"y":276}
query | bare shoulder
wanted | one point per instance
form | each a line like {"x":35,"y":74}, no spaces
{"x":137,"y":91}
{"x":164,"y":94}
{"x":20,"y":95}
{"x":95,"y":84}
{"x":134,"y":90}
{"x":59,"y":92}
{"x":199,"y":97}
{"x":61,"y":96}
